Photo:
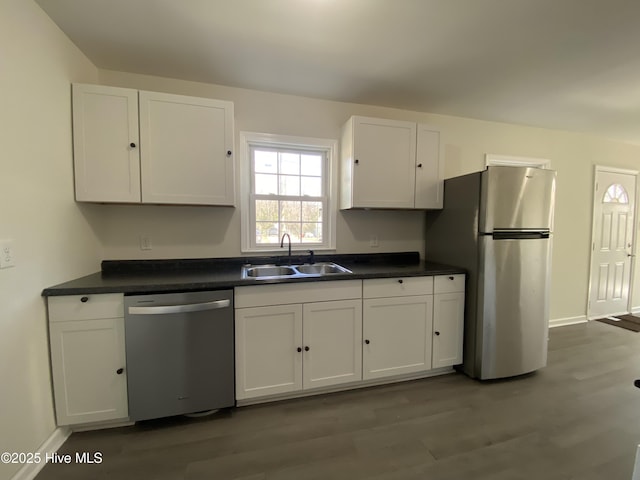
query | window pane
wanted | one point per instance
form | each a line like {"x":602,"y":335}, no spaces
{"x":293,"y":229}
{"x":311,"y":232}
{"x":289,"y":185}
{"x":311,"y":165}
{"x":265,"y":161}
{"x":266,"y":184}
{"x":311,"y":186}
{"x":267,"y":211}
{"x":266,"y":232}
{"x":290,"y":163}
{"x":290,"y":211}
{"x":311,"y":211}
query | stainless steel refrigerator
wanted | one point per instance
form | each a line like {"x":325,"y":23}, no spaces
{"x":497,"y":224}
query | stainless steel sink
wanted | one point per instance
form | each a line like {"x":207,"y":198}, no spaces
{"x":321,"y":269}
{"x":264,"y":272}
{"x":268,"y":271}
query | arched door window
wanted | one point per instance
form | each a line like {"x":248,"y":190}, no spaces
{"x":615,"y":194}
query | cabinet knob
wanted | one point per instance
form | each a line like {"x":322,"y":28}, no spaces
{"x":299,"y":349}
{"x":450,"y":278}
{"x":119,"y":371}
{"x":419,"y":165}
{"x":356,"y":161}
{"x":84,"y":299}
{"x":229,"y":153}
{"x":367,"y":342}
{"x":132,"y":145}
{"x":400,"y":281}
{"x":306,"y":349}
{"x":437,"y":333}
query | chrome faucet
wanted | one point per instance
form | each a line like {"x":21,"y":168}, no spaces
{"x":282,"y":245}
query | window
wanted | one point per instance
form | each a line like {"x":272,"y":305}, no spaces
{"x":615,"y":194}
{"x":287,"y":188}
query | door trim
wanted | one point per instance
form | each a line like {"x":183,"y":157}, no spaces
{"x":597,"y":169}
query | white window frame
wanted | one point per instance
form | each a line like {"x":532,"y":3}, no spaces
{"x":493,"y":160}
{"x":248,"y":230}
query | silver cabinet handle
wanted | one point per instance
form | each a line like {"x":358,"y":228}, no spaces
{"x":192,"y":307}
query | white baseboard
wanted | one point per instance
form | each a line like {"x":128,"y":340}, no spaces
{"x":50,"y":445}
{"x":561,"y":322}
{"x":635,"y":310}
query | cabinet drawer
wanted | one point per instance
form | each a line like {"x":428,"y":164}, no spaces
{"x":86,"y":307}
{"x":397,"y":287}
{"x":448,"y":283}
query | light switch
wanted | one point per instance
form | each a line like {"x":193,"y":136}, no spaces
{"x":7,"y":258}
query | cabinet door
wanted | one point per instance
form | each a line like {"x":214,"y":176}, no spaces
{"x":448,"y":327}
{"x":429,"y":166}
{"x":105,"y":144}
{"x":267,"y":357}
{"x":384,"y":153}
{"x":332,"y":333}
{"x":187,"y":150}
{"x":88,"y":369}
{"x":397,"y":335}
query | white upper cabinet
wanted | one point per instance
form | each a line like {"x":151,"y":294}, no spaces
{"x":390,"y":164}
{"x":187,"y":150}
{"x":105,"y":144}
{"x":184,"y":153}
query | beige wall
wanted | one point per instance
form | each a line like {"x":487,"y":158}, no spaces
{"x":196,"y":232}
{"x":51,"y":237}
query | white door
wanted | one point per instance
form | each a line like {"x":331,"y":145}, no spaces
{"x":106,"y":156}
{"x":448,"y":327}
{"x":429,"y":168}
{"x":397,"y":335}
{"x":268,"y":350}
{"x":187,"y":150}
{"x":612,"y":241}
{"x":384,"y":163}
{"x":88,"y":369}
{"x":332,"y":333}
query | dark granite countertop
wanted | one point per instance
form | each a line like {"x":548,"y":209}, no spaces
{"x":164,"y":276}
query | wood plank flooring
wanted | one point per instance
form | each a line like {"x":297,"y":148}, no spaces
{"x":579,"y":418}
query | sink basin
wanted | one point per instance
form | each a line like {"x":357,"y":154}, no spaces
{"x":268,"y":271}
{"x":321,"y":269}
{"x":262,"y":272}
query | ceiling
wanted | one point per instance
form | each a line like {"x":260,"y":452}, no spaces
{"x":561,"y":64}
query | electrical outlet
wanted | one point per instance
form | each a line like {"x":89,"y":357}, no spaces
{"x":145,"y":243}
{"x":7,"y":259}
{"x":373,"y":241}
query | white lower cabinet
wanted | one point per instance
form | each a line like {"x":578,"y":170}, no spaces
{"x":397,"y":326}
{"x":448,"y":320}
{"x":397,"y":335}
{"x":287,"y":347}
{"x":88,"y":358}
{"x":267,"y":360}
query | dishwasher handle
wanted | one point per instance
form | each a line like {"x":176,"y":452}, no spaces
{"x":191,"y":307}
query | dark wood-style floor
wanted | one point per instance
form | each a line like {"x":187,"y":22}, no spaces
{"x":579,"y":418}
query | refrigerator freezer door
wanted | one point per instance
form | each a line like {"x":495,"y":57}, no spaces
{"x":513,"y":310}
{"x":517,"y":198}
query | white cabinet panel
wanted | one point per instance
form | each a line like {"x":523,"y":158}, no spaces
{"x":267,"y":358}
{"x":88,"y":369}
{"x":332,"y":337}
{"x":397,"y":335}
{"x":105,"y":144}
{"x":187,"y":150}
{"x":430,"y":168}
{"x":397,"y":287}
{"x":448,"y":329}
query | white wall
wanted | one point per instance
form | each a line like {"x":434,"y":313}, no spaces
{"x":52,"y":239}
{"x":196,"y":232}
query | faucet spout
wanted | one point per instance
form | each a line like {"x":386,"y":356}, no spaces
{"x":282,"y":246}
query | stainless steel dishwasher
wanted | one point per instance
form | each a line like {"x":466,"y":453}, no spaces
{"x":180,"y":353}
